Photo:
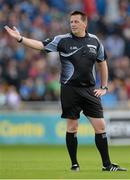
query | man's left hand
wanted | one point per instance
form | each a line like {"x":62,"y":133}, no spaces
{"x":100,"y":92}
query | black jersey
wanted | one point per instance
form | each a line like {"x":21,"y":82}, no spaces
{"x":78,"y":56}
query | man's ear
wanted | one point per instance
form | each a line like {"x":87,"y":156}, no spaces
{"x":85,"y":25}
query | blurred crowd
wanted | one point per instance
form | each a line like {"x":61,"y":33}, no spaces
{"x":29,"y":75}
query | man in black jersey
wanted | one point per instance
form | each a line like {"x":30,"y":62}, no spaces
{"x":79,"y":51}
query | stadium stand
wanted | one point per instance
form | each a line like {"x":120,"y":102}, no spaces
{"x":28,"y":75}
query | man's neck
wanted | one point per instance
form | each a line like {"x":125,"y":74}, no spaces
{"x":83,"y":34}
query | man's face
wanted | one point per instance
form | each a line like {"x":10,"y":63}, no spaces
{"x":77,"y":25}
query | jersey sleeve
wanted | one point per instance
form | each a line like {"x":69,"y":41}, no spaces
{"x":51,"y":45}
{"x":101,"y":54}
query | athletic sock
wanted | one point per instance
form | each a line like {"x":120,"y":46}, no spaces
{"x":72,"y":144}
{"x":102,"y":146}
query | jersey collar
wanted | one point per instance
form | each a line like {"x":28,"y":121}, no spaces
{"x":76,"y":37}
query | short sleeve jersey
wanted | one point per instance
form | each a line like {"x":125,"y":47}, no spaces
{"x":78,"y":56}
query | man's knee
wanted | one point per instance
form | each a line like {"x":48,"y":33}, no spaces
{"x":98,"y":125}
{"x":99,"y":130}
{"x":72,"y":125}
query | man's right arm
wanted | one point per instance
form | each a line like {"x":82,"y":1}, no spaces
{"x":35,"y":44}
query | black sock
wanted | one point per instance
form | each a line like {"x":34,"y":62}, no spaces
{"x":72,"y":144}
{"x":102,"y":146}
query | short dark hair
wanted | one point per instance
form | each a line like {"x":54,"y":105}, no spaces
{"x":82,"y":14}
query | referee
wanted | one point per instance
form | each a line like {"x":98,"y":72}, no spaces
{"x":79,"y":52}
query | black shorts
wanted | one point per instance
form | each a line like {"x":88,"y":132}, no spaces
{"x":77,"y":99}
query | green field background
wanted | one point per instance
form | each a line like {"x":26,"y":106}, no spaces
{"x":52,"y":162}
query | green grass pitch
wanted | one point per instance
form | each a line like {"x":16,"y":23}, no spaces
{"x":52,"y":162}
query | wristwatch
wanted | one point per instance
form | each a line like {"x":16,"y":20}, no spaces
{"x":104,"y":87}
{"x":20,"y":40}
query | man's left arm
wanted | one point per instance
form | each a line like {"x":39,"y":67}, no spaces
{"x":103,"y":69}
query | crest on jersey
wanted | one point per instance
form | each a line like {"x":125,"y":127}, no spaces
{"x":92,"y":50}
